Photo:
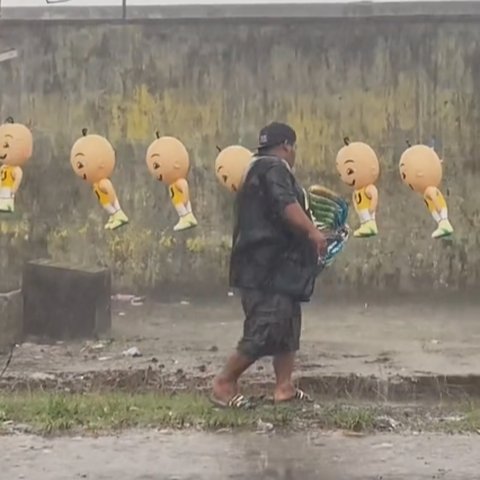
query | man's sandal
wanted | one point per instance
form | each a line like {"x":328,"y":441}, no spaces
{"x":299,"y":396}
{"x":237,"y":402}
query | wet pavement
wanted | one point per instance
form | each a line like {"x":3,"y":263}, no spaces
{"x":195,"y":338}
{"x":201,"y":456}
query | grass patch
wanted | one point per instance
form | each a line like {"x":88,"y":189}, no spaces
{"x":356,"y":419}
{"x":466,"y":420}
{"x":48,"y":413}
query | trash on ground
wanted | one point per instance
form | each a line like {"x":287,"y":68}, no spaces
{"x":122,"y":297}
{"x":132,"y":352}
{"x":137,"y":301}
{"x":42,"y":376}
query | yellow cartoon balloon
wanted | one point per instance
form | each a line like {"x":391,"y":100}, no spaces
{"x":168,"y":162}
{"x":16,"y":148}
{"x":230,"y":166}
{"x":93,"y":159}
{"x":421,"y":169}
{"x":359,"y":168}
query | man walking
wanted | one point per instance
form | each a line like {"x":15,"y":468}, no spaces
{"x":274,"y":264}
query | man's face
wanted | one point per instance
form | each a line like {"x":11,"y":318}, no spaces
{"x":290,"y":153}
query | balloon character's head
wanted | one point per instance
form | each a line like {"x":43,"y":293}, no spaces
{"x":16,"y":143}
{"x":420,"y":168}
{"x":230,"y":166}
{"x":167,"y":159}
{"x":357,"y":164}
{"x":92,"y":157}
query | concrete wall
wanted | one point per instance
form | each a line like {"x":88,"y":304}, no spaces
{"x":11,"y":319}
{"x":213,"y":82}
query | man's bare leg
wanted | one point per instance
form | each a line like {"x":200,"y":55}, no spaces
{"x":283,"y":365}
{"x":225,"y":383}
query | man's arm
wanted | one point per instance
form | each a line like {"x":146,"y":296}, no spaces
{"x":281,"y":190}
{"x":297,"y":219}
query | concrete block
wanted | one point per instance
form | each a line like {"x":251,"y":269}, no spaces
{"x":11,"y":319}
{"x":63,"y":302}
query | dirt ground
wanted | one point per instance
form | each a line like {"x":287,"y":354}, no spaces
{"x":161,"y":456}
{"x":194,"y":338}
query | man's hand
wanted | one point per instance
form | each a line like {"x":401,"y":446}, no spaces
{"x":319,"y":242}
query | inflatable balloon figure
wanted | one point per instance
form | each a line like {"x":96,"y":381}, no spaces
{"x":231,"y":165}
{"x":358,"y":167}
{"x":329,"y":213}
{"x":168,"y":162}
{"x":421,"y":169}
{"x":16,"y":146}
{"x":93,"y":159}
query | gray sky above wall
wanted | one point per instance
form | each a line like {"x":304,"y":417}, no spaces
{"x":84,"y":3}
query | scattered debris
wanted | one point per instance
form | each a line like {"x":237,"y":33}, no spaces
{"x":386,"y":423}
{"x":88,"y":347}
{"x":154,"y":360}
{"x":264,"y":427}
{"x":123,"y":297}
{"x":453,"y":418}
{"x":184,"y":302}
{"x":383,"y":445}
{"x":133,"y":299}
{"x":137,"y":301}
{"x":132,"y":352}
{"x":230,"y":294}
{"x":42,"y":376}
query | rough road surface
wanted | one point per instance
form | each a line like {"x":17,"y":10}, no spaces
{"x":193,"y":339}
{"x":201,"y":456}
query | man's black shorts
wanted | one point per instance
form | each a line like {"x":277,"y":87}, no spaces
{"x":272,"y":324}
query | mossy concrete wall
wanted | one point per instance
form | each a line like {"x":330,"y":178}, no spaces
{"x":216,"y":82}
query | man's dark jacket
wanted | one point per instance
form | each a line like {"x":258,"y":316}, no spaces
{"x":266,"y":254}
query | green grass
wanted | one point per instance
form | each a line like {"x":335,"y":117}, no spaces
{"x":468,"y":420}
{"x":49,"y":413}
{"x":356,"y":419}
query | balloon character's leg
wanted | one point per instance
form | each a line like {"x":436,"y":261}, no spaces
{"x":444,"y":227}
{"x":7,"y":205}
{"x":368,"y":227}
{"x":187,"y":218}
{"x":7,"y":202}
{"x":117,"y":217}
{"x":117,"y":220}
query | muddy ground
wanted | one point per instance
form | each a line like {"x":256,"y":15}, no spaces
{"x":183,"y":344}
{"x":199,"y":456}
{"x":186,"y":342}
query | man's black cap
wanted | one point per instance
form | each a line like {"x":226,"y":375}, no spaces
{"x":275,"y":134}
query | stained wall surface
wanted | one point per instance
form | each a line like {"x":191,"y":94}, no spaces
{"x":216,"y":82}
